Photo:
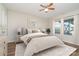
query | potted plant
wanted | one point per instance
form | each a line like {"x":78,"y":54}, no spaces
{"x":19,"y":33}
{"x":48,"y":30}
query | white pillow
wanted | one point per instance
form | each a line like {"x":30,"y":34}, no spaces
{"x":38,"y":44}
{"x":36,"y":31}
{"x":27,"y":36}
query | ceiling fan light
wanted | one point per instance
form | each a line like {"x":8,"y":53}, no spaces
{"x":46,"y":9}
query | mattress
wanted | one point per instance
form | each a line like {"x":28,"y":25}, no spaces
{"x":63,"y":50}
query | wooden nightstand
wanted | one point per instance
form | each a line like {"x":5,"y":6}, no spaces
{"x":11,"y":47}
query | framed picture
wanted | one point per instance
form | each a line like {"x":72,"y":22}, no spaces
{"x":34,"y":24}
{"x":57,"y":27}
{"x":69,"y":26}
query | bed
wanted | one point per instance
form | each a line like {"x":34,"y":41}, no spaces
{"x":40,"y":44}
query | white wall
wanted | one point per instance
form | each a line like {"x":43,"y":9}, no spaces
{"x":69,"y":38}
{"x":51,"y":25}
{"x":17,"y":20}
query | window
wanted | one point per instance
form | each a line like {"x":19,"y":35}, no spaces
{"x":68,"y":26}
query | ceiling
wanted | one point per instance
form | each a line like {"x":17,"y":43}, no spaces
{"x":33,"y":9}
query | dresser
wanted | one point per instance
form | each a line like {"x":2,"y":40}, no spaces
{"x":7,"y":47}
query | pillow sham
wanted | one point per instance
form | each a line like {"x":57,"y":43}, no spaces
{"x":38,"y":44}
{"x":36,"y":31}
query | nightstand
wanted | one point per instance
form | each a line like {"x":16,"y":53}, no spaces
{"x":11,"y":47}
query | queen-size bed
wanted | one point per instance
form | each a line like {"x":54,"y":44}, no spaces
{"x":41,"y":44}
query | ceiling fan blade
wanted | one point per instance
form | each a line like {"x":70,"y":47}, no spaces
{"x":50,"y":4}
{"x":43,"y":6}
{"x":51,"y":8}
{"x":41,"y":9}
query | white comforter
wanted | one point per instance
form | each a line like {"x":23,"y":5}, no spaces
{"x":38,"y":44}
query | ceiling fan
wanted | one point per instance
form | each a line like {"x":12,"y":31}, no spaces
{"x":47,"y":8}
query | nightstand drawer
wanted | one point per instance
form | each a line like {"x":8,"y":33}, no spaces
{"x":11,"y":47}
{"x":10,"y":51}
{"x":11,"y":44}
{"x":11,"y":54}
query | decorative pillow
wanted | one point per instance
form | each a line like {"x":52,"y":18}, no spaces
{"x":38,"y":44}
